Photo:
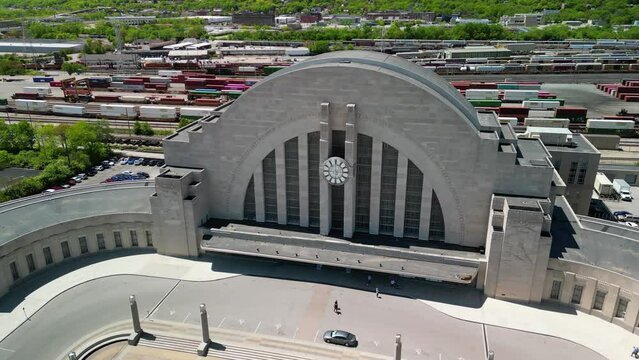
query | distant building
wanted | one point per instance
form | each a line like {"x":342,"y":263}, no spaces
{"x":285,"y":20}
{"x":400,"y":15}
{"x":254,"y":18}
{"x":460,"y":20}
{"x":528,"y":20}
{"x":312,"y":18}
{"x":41,"y":46}
{"x":132,"y":20}
{"x":476,"y":52}
{"x":343,"y":18}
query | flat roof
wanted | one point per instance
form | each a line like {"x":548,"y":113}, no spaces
{"x":532,"y":153}
{"x":38,"y":44}
{"x":583,"y":145}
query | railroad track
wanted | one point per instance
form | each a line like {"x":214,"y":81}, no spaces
{"x":54,"y":119}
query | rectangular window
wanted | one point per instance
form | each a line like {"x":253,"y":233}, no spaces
{"x":31,"y":263}
{"x":134,"y":238}
{"x":118,"y":239}
{"x":149,"y":238}
{"x":101,"y":244}
{"x":599,"y":300}
{"x":583,"y":167}
{"x":573,"y":172}
{"x":84,"y":247}
{"x":14,"y":271}
{"x":48,"y":259}
{"x":65,"y":249}
{"x":556,"y":287}
{"x":622,"y":305}
{"x":576,"y":294}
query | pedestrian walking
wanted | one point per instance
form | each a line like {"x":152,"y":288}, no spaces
{"x":377,"y":292}
{"x":392,"y":282}
{"x":335,"y":306}
{"x":368,"y":280}
{"x":635,"y":352}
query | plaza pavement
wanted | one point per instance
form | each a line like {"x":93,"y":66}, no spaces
{"x":603,"y":337}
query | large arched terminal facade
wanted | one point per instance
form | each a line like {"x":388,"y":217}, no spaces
{"x":356,"y":152}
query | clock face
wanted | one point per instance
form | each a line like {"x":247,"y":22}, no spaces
{"x":336,"y":171}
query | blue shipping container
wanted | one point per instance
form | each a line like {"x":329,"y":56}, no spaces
{"x":46,"y":79}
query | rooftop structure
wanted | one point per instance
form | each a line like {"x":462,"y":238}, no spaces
{"x":39,"y":46}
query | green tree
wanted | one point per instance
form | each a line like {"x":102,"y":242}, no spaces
{"x":137,"y":128}
{"x":71,"y":67}
{"x":146,"y":129}
{"x":319,"y":47}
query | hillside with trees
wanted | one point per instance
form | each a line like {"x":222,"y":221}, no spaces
{"x":610,"y":11}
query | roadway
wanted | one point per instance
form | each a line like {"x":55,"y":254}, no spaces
{"x":294,"y":301}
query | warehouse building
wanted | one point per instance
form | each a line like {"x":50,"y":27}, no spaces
{"x":41,"y":46}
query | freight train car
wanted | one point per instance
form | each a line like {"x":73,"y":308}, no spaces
{"x":616,"y":127}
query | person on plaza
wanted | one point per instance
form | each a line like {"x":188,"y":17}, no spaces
{"x":392,"y":283}
{"x":377,"y":292}
{"x":368,"y":280}
{"x":335,"y":307}
{"x":635,"y":352}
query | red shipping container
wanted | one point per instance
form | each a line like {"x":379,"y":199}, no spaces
{"x":208,"y":102}
{"x":55,"y":84}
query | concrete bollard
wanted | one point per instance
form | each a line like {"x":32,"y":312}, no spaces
{"x":398,"y":347}
{"x":72,"y":356}
{"x":203,"y":348}
{"x":135,"y":316}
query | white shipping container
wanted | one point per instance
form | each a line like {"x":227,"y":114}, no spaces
{"x":541,"y":113}
{"x":520,"y":94}
{"x":68,"y":109}
{"x":196,"y":111}
{"x":42,"y":91}
{"x":158,"y":112}
{"x":539,"y":104}
{"x":507,"y":120}
{"x":159,"y":80}
{"x":610,"y":124}
{"x":547,"y":122}
{"x":246,"y":69}
{"x":482,"y":94}
{"x":32,"y":105}
{"x":603,"y":185}
{"x":118,"y":111}
{"x":169,"y":72}
{"x":133,"y":99}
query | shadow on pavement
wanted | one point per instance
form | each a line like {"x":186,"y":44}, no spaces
{"x":420,"y":289}
{"x":22,"y":289}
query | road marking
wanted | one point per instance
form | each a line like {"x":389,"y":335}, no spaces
{"x":8,"y":350}
{"x":186,"y":317}
{"x":221,"y":322}
{"x":316,"y":333}
{"x":258,"y":326}
{"x":150,"y":313}
{"x":295,"y":335}
{"x":483,"y":330}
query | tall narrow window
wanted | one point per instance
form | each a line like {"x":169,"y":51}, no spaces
{"x":31,"y":263}
{"x":48,"y":258}
{"x":412,"y":213}
{"x":387,"y":190}
{"x":117,"y":237}
{"x":622,"y":306}
{"x":15,"y":275}
{"x":100,"y":239}
{"x":292,"y":182}
{"x":313,"y":179}
{"x":134,"y":238}
{"x":66,"y":252}
{"x":572,"y":173}
{"x":576,"y":294}
{"x":84,"y":248}
{"x":149,"y":238}
{"x":249,"y":201}
{"x":270,"y":187}
{"x":556,"y":288}
{"x":437,"y":228}
{"x":363,"y":185}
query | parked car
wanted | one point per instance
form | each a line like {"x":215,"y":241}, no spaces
{"x":622,"y":215}
{"x":131,"y":161}
{"x":124,"y":161}
{"x":91,"y":172}
{"x":77,"y":179}
{"x":127,"y":172}
{"x":160,"y":163}
{"x":152,"y":162}
{"x":71,"y":182}
{"x":138,"y":161}
{"x":83,"y":176}
{"x":143,"y":174}
{"x":99,"y":168}
{"x":340,"y":337}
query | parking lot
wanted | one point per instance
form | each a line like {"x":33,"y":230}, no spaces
{"x":101,"y":176}
{"x":630,"y":206}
